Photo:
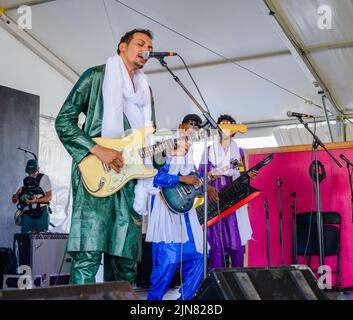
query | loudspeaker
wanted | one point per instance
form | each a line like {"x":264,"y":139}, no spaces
{"x":45,"y":254}
{"x":120,"y":290}
{"x":274,"y":283}
{"x":7,"y":264}
{"x":8,"y":260}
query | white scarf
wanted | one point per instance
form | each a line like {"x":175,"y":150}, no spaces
{"x":221,"y":158}
{"x":164,"y":225}
{"x":119,"y":97}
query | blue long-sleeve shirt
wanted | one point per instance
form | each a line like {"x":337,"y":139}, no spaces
{"x":164,"y":179}
{"x":171,"y":252}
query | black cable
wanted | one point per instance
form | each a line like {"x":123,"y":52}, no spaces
{"x":220,"y":228}
{"x":61,"y":266}
{"x":197,"y":88}
{"x":181,"y":258}
{"x":219,"y":216}
{"x":218,"y":54}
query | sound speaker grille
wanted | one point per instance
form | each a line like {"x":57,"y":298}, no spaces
{"x":275,"y":283}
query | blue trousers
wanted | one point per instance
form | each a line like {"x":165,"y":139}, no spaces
{"x":163,"y":273}
{"x":167,"y":257}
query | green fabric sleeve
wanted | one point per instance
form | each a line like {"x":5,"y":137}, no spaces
{"x":74,"y":139}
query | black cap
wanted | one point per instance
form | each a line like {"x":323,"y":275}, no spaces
{"x":31,"y":166}
{"x":192,"y":119}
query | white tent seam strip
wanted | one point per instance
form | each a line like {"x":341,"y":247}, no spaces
{"x":281,"y":18}
{"x":38,"y":48}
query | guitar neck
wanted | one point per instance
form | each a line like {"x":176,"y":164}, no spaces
{"x":170,"y":144}
{"x":233,"y":164}
{"x":244,"y":176}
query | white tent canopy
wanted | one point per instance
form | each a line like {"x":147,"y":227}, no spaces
{"x":217,"y":39}
{"x":248,"y":63}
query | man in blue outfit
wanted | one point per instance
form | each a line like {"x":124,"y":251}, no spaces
{"x":176,"y":239}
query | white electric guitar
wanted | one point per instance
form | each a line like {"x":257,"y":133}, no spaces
{"x":101,"y":181}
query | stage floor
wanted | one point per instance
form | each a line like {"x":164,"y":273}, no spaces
{"x":173,"y":294}
{"x":340,"y":295}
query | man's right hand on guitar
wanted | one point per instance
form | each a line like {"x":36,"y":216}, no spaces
{"x":193,"y":180}
{"x":112,"y":158}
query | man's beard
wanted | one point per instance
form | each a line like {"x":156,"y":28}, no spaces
{"x":138,"y":66}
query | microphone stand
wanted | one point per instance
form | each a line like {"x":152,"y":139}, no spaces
{"x":316,"y":143}
{"x":26,"y":151}
{"x":267,"y":232}
{"x":209,"y":122}
{"x":350,"y":184}
{"x":279,"y":184}
{"x":294,"y":219}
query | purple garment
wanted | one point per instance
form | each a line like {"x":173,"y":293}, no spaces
{"x":226,"y":231}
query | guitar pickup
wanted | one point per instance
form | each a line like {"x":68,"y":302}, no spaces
{"x":187,"y":189}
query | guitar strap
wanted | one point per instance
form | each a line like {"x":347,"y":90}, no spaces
{"x":242,"y":167}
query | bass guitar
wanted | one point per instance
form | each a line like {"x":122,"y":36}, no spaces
{"x":181,"y":198}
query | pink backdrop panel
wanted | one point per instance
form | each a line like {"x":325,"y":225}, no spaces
{"x":293,"y":169}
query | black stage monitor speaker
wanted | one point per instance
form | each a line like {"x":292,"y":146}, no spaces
{"x":120,"y":290}
{"x":274,"y":283}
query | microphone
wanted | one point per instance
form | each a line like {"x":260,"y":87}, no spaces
{"x":342,"y":156}
{"x":299,"y":115}
{"x":151,"y":54}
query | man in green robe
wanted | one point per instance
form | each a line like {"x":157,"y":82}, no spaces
{"x":114,"y":98}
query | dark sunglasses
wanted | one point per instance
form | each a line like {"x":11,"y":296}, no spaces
{"x":194,"y":123}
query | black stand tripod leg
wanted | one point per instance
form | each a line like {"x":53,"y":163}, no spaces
{"x":267,"y":232}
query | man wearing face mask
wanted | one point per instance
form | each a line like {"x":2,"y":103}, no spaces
{"x":33,"y":199}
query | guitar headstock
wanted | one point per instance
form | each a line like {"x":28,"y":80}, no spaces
{"x":268,"y":158}
{"x":234,"y":128}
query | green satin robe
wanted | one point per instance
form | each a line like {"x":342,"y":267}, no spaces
{"x":98,"y":224}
